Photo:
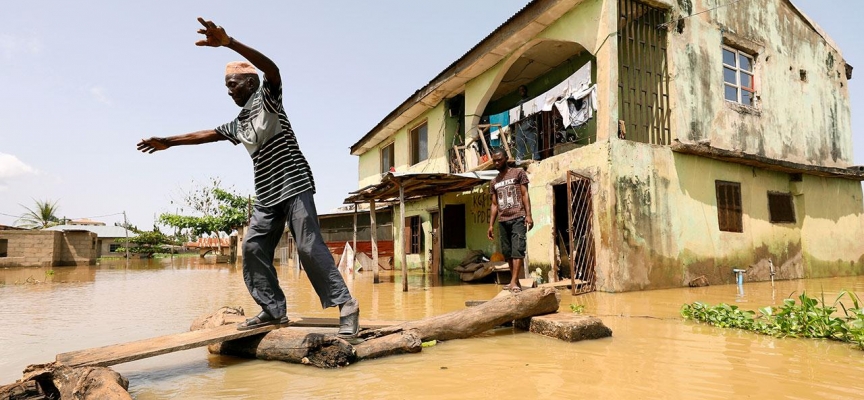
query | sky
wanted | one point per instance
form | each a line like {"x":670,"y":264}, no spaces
{"x":82,"y":84}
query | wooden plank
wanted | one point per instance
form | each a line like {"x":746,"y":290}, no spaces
{"x":131,"y":351}
{"x":140,"y":349}
{"x":562,"y":284}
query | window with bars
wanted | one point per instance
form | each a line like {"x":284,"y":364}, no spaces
{"x":413,"y":235}
{"x":738,"y":86}
{"x":419,"y":143}
{"x":729,"y":215}
{"x":387,"y":162}
{"x":781,"y":207}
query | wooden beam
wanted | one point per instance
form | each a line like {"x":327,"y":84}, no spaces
{"x":481,"y":132}
{"x":131,"y":351}
{"x":354,"y":243}
{"x":374,"y":237}
{"x":402,"y":224}
{"x":140,"y":349}
{"x":462,"y":166}
{"x":755,"y":160}
{"x":440,"y":265}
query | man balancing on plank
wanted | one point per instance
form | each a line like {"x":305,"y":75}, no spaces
{"x":283,"y":187}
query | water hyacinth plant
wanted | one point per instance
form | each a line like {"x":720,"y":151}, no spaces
{"x":808,"y":318}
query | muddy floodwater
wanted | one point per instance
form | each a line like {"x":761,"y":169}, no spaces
{"x":653,"y":352}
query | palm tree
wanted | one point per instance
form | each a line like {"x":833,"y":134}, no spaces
{"x":40,"y":217}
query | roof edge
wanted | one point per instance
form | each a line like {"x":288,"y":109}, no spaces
{"x":521,"y":18}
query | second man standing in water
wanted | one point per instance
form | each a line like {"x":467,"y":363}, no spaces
{"x":511,"y":206}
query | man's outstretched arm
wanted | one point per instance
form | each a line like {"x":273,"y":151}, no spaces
{"x":216,"y":37}
{"x":155,"y":144}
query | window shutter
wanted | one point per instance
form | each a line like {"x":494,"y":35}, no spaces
{"x":406,"y":235}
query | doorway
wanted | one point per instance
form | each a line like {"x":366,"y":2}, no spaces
{"x":434,"y":265}
{"x":581,"y":233}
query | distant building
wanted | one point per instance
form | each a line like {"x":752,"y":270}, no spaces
{"x":109,"y":238}
{"x":31,"y":248}
{"x":85,"y":221}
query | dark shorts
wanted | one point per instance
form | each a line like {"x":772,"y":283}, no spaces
{"x":512,"y":237}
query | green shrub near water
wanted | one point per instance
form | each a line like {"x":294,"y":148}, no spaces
{"x":808,"y":317}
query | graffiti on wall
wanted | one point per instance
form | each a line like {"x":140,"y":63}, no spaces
{"x":480,"y":203}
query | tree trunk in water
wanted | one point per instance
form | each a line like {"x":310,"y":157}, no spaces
{"x":57,"y":381}
{"x":323,"y":349}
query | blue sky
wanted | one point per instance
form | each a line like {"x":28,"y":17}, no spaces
{"x":84,"y":83}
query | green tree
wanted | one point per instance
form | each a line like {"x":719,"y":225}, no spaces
{"x":43,"y":215}
{"x":214,"y":211}
{"x":148,"y":242}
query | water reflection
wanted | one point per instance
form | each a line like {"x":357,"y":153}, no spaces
{"x":652,"y":352}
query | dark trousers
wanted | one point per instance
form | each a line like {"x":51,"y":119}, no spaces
{"x":259,"y":247}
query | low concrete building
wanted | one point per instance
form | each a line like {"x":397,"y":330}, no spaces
{"x":108,"y":238}
{"x":27,"y":248}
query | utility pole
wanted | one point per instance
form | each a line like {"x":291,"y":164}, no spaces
{"x":126,"y":232}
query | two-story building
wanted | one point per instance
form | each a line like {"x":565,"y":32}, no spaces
{"x":665,"y":140}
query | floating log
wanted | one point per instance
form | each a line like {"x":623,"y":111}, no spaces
{"x":58,"y":381}
{"x":322,"y":348}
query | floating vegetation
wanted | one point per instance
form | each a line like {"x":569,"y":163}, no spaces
{"x":808,"y":318}
{"x":577,"y":308}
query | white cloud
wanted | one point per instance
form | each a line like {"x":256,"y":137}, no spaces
{"x":13,"y":46}
{"x":12,"y":167}
{"x":98,"y":93}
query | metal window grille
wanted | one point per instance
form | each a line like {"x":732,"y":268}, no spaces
{"x":781,"y":207}
{"x":643,"y":84}
{"x":729,"y":211}
{"x":581,"y":233}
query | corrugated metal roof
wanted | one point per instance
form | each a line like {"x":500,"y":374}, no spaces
{"x":419,"y":185}
{"x":100,"y":231}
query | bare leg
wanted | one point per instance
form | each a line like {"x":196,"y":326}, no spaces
{"x":515,"y":268}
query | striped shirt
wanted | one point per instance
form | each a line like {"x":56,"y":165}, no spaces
{"x":281,"y":171}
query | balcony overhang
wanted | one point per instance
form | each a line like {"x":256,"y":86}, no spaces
{"x":855,"y":173}
{"x":419,"y":185}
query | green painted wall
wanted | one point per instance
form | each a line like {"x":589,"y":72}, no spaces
{"x":370,"y":161}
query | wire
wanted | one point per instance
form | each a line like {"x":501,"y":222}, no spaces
{"x":665,"y":24}
{"x":67,"y":218}
{"x":440,"y":137}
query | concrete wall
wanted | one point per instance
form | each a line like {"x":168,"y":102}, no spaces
{"x":77,"y":248}
{"x":30,"y":248}
{"x":795,"y":120}
{"x":48,"y":248}
{"x":666,"y":231}
{"x":414,"y":208}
